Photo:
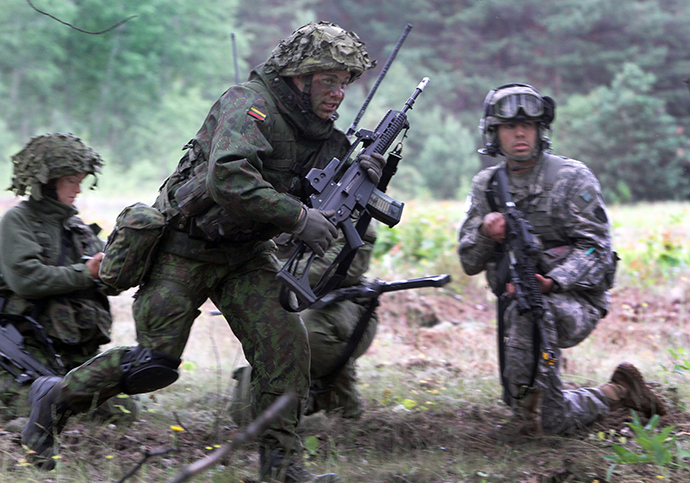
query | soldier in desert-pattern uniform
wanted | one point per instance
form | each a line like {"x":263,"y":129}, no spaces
{"x":561,"y":199}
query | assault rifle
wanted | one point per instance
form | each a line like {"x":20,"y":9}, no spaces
{"x":521,"y":249}
{"x":343,"y":187}
{"x":13,"y":356}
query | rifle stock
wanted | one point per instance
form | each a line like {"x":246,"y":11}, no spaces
{"x":345,"y":188}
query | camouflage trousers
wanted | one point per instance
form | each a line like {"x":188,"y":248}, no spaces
{"x":568,"y":321}
{"x":14,"y":402}
{"x":274,"y":341}
{"x":329,"y":331}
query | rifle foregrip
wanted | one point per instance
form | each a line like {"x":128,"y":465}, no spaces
{"x":386,"y":132}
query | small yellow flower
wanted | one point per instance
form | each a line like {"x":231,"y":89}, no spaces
{"x":109,"y":457}
{"x":176,"y":428}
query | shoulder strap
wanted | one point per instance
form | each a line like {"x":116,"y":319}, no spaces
{"x":553,"y":166}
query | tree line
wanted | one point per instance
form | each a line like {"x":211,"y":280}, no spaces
{"x":138,"y":92}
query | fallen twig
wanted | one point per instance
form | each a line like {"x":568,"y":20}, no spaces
{"x":148,"y":454}
{"x":251,"y":432}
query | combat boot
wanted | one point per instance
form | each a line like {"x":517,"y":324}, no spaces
{"x":241,"y":410}
{"x":524,"y":424}
{"x":275,"y":468}
{"x":627,"y":389}
{"x":48,"y":417}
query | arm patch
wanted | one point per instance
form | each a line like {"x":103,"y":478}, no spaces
{"x":256,"y":114}
{"x":585,"y":197}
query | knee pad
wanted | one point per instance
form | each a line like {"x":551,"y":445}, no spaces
{"x":144,"y":370}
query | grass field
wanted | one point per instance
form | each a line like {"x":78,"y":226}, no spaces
{"x":430,"y":380}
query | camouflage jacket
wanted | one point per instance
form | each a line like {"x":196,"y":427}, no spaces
{"x":242,"y":182}
{"x":561,"y":199}
{"x":41,"y":245}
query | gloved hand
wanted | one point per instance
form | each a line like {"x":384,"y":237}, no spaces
{"x":374,"y":165}
{"x":314,"y":229}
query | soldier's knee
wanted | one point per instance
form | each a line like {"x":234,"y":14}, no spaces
{"x":146,"y":370}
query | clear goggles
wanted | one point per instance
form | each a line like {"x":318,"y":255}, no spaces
{"x":509,"y":106}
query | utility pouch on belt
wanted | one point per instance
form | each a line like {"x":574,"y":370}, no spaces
{"x":192,"y":197}
{"x":131,"y":246}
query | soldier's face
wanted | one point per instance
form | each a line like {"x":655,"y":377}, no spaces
{"x":518,"y":139}
{"x":327,"y":91}
{"x":68,"y":187}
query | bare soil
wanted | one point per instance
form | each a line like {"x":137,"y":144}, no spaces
{"x":427,"y":338}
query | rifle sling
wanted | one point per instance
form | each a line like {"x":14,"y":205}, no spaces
{"x":353,"y":341}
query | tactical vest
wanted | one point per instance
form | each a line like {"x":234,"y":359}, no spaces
{"x":185,"y":199}
{"x":537,"y":207}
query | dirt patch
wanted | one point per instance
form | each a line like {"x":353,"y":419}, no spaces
{"x":421,"y":335}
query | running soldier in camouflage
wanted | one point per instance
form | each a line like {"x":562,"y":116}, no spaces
{"x":238,"y":185}
{"x":561,"y":199}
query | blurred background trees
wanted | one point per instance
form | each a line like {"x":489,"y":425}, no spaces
{"x":140,"y":91}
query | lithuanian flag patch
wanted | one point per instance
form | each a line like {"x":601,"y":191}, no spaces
{"x":256,"y":114}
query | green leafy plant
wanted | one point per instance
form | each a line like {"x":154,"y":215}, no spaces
{"x":311,"y":444}
{"x":681,"y":365}
{"x":656,"y":446}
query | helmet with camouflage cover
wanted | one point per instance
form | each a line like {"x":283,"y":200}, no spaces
{"x":513,"y":103}
{"x":318,"y":47}
{"x":51,"y":156}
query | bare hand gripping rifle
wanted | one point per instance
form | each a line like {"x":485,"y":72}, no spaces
{"x":522,"y":250}
{"x":345,"y":188}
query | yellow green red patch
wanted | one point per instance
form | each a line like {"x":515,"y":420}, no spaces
{"x":256,"y":114}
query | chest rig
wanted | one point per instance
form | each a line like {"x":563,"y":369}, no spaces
{"x":535,"y":201}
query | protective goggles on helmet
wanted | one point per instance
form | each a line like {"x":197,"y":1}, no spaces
{"x":508,"y":107}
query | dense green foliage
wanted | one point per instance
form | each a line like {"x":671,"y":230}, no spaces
{"x":140,"y":91}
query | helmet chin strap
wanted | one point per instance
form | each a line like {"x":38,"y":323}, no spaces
{"x":521,"y":159}
{"x":306,"y":92}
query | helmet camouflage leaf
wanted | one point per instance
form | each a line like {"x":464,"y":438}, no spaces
{"x":51,"y":156}
{"x":318,"y":47}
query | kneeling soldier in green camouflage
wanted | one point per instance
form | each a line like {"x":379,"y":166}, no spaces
{"x":58,"y":313}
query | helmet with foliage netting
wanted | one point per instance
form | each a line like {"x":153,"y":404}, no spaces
{"x":51,"y":156}
{"x":318,"y":47}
